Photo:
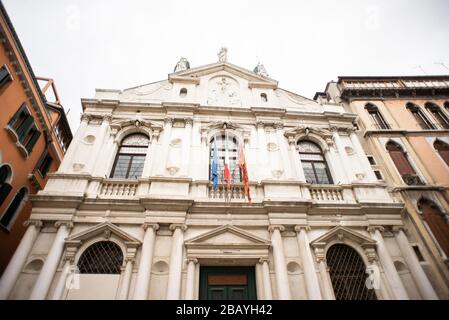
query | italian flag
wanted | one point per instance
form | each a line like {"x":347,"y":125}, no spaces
{"x":227,"y":165}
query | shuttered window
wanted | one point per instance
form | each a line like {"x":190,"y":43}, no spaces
{"x":437,"y":223}
{"x":5,"y":75}
{"x":5,"y":187}
{"x":25,"y":128}
{"x":400,"y":159}
{"x":13,"y":208}
{"x":438,"y":115}
{"x":443,"y":150}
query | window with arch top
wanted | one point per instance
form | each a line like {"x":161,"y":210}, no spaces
{"x":14,"y":207}
{"x":438,"y":115}
{"x":130,"y":158}
{"x":313,"y":162}
{"x":419,"y":116}
{"x":5,"y":186}
{"x":376,"y":116}
{"x":103,"y":257}
{"x":442,"y":149}
{"x":402,"y":163}
{"x":437,"y":223}
{"x":233,"y":147}
{"x":264,"y":97}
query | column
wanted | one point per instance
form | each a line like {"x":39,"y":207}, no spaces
{"x":126,"y":281}
{"x":312,"y":284}
{"x":175,"y":268}
{"x":146,"y":261}
{"x":60,"y":286}
{"x":268,"y":294}
{"x":151,"y":155}
{"x":362,"y":156}
{"x":328,"y":290}
{"x":204,"y":156}
{"x":98,"y":146}
{"x":387,"y":263}
{"x":282,"y":284}
{"x":283,"y":149}
{"x":190,"y":283}
{"x":71,"y":151}
{"x":15,"y":266}
{"x":262,"y":152}
{"x":342,"y":154}
{"x":186,"y":147}
{"x":43,"y":283}
{"x":298,"y":171}
{"x":423,"y":283}
{"x":165,"y":145}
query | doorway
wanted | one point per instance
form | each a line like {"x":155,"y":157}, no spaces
{"x":227,"y":283}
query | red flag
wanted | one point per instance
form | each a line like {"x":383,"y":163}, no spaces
{"x":242,"y":165}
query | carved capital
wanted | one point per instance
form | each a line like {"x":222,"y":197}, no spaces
{"x":278,"y":125}
{"x":371,"y":255}
{"x":175,"y":226}
{"x":30,"y":222}
{"x":169,"y":121}
{"x":192,"y":259}
{"x":299,"y":228}
{"x":320,"y":255}
{"x":396,"y":229}
{"x":276,"y":226}
{"x":263,"y":260}
{"x":86,"y":117}
{"x":334,"y":129}
{"x":107,"y":118}
{"x":260,"y":124}
{"x":147,"y":225}
{"x":188,"y":121}
{"x":374,"y":228}
{"x":68,"y":224}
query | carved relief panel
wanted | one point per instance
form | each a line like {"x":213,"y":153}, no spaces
{"x":223,"y":90}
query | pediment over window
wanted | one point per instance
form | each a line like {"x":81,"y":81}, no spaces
{"x":320,"y":135}
{"x":118,"y":124}
{"x":227,"y":236}
{"x":208,"y":130}
{"x":103,"y":231}
{"x":342,"y":234}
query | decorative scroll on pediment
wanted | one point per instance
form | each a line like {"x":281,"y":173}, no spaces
{"x":150,"y":127}
{"x":211,"y":128}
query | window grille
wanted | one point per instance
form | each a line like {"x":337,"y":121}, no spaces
{"x":347,"y":272}
{"x":104,"y":257}
{"x":313,"y":163}
{"x":236,"y":175}
{"x":131,"y":157}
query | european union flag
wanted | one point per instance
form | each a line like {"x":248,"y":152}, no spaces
{"x":214,"y":168}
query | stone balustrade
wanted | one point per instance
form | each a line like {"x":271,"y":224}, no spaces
{"x":118,"y":187}
{"x":327,"y":193}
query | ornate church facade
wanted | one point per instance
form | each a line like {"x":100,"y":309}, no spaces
{"x":132,"y":212}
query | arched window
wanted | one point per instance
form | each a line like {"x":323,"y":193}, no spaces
{"x":313,"y":163}
{"x":264,"y":97}
{"x":443,"y":149}
{"x":348,"y":274}
{"x":402,"y":163}
{"x":377,"y":118}
{"x":14,"y":207}
{"x":419,"y":116}
{"x":5,"y":186}
{"x":233,"y":147}
{"x":437,"y":223}
{"x":438,"y":115}
{"x":130,"y":157}
{"x":104,"y":257}
{"x":183,"y":92}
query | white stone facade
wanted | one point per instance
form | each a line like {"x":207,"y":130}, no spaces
{"x":170,"y":222}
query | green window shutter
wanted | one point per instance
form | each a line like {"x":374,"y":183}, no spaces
{"x":25,"y":128}
{"x":32,"y":141}
{"x":16,"y":116}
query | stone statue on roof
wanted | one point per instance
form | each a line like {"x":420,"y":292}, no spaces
{"x":223,"y":55}
{"x":260,"y":70}
{"x":182,"y":64}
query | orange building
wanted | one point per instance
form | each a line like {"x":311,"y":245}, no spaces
{"x":34,"y":134}
{"x":403,"y":124}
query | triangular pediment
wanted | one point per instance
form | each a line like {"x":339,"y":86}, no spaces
{"x":341,"y":234}
{"x":106,"y":230}
{"x":253,"y":78}
{"x":227,"y":235}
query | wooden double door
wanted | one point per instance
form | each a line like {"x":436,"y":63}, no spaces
{"x":227,"y":283}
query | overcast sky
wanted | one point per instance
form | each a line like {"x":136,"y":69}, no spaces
{"x":91,"y":44}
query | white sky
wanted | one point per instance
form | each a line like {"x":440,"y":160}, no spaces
{"x":88,"y":44}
